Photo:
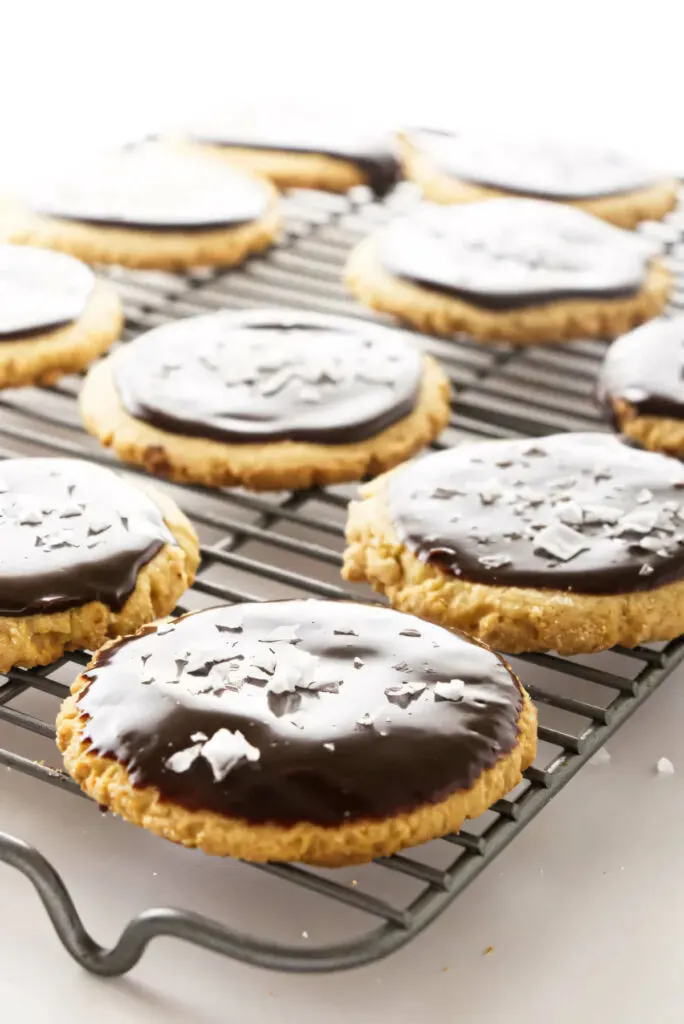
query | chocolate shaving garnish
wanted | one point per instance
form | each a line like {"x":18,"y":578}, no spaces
{"x":571,"y":513}
{"x":96,"y":526}
{"x":490,"y":492}
{"x":454,"y":690}
{"x":494,"y":561}
{"x":560,"y":541}
{"x":594,"y":514}
{"x":641,"y":520}
{"x":405,"y":693}
{"x":71,"y":511}
{"x":409,"y":632}
{"x":29,"y":518}
{"x":444,"y":493}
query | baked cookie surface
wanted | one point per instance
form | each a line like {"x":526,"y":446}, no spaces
{"x":517,"y":270}
{"x":149,"y":205}
{"x":297,"y":730}
{"x":266,"y":398}
{"x":462,"y":167}
{"x":296,"y":152}
{"x":85,"y":556}
{"x":640,"y":385}
{"x":572,"y":543}
{"x":55,"y":317}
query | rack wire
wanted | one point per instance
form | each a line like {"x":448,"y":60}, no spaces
{"x":285,"y":545}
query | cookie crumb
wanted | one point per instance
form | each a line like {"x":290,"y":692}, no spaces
{"x":664,"y":766}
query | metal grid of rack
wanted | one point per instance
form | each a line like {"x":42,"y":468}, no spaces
{"x":283,"y":545}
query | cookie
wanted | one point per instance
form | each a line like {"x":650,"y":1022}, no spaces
{"x":516,"y":270}
{"x":149,"y":206}
{"x":85,"y":556}
{"x":297,"y":731}
{"x":55,"y":317}
{"x":266,"y":399}
{"x":571,"y":543}
{"x":462,"y":168}
{"x":296,"y":152}
{"x":641,"y":389}
{"x":509,"y":269}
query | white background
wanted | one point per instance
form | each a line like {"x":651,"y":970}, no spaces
{"x":586,"y":910}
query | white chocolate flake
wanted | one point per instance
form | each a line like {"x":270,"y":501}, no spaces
{"x":183,"y":759}
{"x":225,"y":750}
{"x":560,"y":541}
{"x":454,"y":690}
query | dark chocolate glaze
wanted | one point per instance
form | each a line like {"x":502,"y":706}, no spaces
{"x":155,"y":188}
{"x":346,"y":741}
{"x":576,"y":512}
{"x":269,"y":375}
{"x":645,"y":368}
{"x":71,"y":532}
{"x":40,"y":290}
{"x":541,"y":170}
{"x":512,"y":253}
{"x":373,"y":154}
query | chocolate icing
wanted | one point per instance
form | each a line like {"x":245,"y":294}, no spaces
{"x":269,"y":375}
{"x":156,"y":188}
{"x":71,"y":532}
{"x":576,"y":512}
{"x":542,"y":170}
{"x":646,"y":369}
{"x":512,"y":253}
{"x":40,"y":290}
{"x":373,"y":154}
{"x":319,"y":691}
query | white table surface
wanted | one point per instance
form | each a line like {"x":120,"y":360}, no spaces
{"x":585,"y":911}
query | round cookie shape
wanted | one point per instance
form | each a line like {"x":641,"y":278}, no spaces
{"x":40,"y":290}
{"x":508,"y":254}
{"x":156,"y":188}
{"x":582,"y":513}
{"x":266,"y":399}
{"x":268,"y":376}
{"x":533,"y":168}
{"x":370,"y":153}
{"x":293,"y":712}
{"x":644,"y":370}
{"x":70,"y":533}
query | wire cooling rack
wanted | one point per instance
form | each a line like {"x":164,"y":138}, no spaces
{"x":288,"y":545}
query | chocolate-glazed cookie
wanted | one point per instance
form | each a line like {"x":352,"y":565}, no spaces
{"x":297,"y":730}
{"x":148,"y":205}
{"x":155,"y":188}
{"x":511,"y":269}
{"x":286,"y":397}
{"x":83,"y":552}
{"x":641,"y":385}
{"x":55,"y":318}
{"x":574,"y":541}
{"x":456,"y":167}
{"x":301,"y":153}
{"x":40,"y":290}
